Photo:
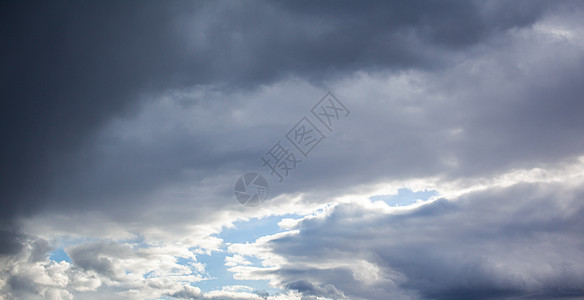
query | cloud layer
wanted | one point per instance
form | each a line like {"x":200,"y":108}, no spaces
{"x":126,"y":127}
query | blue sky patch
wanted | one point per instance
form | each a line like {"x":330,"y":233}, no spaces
{"x":405,"y":197}
{"x":59,"y":255}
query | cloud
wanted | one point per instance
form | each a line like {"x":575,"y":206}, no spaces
{"x":31,"y":275}
{"x":307,"y":288}
{"x":58,"y":94}
{"x":482,"y":245}
{"x":127,"y":125}
{"x":120,"y":271}
{"x":188,"y":292}
{"x":411,"y":124}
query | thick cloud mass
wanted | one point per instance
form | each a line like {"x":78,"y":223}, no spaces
{"x":486,"y":245}
{"x":125,"y":125}
{"x":68,"y":67}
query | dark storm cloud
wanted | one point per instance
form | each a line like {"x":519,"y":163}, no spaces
{"x":312,"y":40}
{"x":66,"y":68}
{"x":69,"y":67}
{"x":10,"y":241}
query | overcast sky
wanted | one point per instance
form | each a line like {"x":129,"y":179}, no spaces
{"x":453,"y":167}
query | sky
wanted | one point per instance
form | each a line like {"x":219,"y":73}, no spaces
{"x":397,"y":150}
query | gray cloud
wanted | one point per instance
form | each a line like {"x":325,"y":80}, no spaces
{"x":509,"y":106}
{"x":10,"y":242}
{"x":481,"y":246}
{"x":67,"y":68}
{"x":473,"y":89}
{"x":70,"y":67}
{"x":95,"y":257}
{"x":307,"y":288}
{"x":187,"y":292}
